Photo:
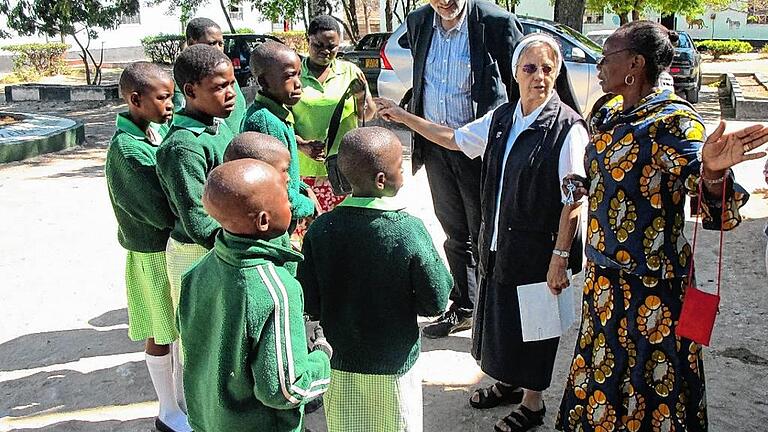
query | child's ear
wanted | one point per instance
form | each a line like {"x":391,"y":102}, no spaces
{"x":135,"y":99}
{"x":381,"y":181}
{"x":189,"y":90}
{"x":261,"y":221}
{"x":262,"y":82}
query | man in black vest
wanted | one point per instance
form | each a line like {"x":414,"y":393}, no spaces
{"x":461,"y":69}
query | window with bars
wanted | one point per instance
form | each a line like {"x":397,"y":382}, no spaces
{"x":131,"y":19}
{"x":593,"y":17}
{"x":235,"y":12}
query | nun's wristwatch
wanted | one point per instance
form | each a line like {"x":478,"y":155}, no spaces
{"x":561,"y":253}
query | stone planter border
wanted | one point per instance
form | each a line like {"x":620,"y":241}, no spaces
{"x":61,"y":92}
{"x":37,"y":134}
{"x":746,"y":109}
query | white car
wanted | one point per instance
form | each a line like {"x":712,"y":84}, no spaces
{"x":580,"y":55}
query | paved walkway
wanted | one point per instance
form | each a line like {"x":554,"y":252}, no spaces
{"x":67,"y":365}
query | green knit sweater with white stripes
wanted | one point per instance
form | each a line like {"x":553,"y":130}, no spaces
{"x":246,"y":364}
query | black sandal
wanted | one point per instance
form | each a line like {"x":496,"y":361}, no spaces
{"x":487,"y":397}
{"x":522,"y":419}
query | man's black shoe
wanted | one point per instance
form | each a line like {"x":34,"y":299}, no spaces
{"x":450,"y":322}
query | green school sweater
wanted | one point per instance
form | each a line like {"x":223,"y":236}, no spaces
{"x":369,"y":269}
{"x":234,"y":119}
{"x":144,"y":219}
{"x":271,"y":118}
{"x":188,"y":153}
{"x":246,"y":365}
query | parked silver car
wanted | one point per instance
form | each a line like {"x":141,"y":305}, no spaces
{"x":580,"y":55}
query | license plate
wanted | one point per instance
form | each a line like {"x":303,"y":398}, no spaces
{"x":371,"y":63}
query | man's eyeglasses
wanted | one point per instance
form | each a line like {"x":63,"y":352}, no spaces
{"x":601,"y":59}
{"x":531,"y":69}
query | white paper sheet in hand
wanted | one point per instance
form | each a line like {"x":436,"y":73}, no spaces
{"x":544,"y":315}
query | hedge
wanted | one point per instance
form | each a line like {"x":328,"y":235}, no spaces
{"x":720,"y":48}
{"x":38,"y":59}
{"x":296,"y":39}
{"x":163,"y":48}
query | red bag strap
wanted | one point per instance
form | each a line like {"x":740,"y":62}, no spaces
{"x":722,"y":233}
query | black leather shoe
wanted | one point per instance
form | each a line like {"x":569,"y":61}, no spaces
{"x":450,"y":322}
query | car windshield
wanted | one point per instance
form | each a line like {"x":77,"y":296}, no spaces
{"x":684,"y":42}
{"x":581,"y":38}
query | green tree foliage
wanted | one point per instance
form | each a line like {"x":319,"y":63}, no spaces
{"x":278,"y":10}
{"x":37,"y":59}
{"x":163,"y":48}
{"x":635,"y":8}
{"x":80,"y":19}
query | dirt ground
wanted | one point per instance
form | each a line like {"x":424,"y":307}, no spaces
{"x":66,"y":363}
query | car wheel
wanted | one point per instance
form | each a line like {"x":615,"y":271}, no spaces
{"x":692,"y":95}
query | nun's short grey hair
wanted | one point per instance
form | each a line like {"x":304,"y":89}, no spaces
{"x":532,"y":40}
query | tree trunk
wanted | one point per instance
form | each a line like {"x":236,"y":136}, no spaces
{"x":350,"y":10}
{"x":365,"y":17}
{"x":570,"y":13}
{"x":635,"y":14}
{"x":623,"y":18}
{"x":226,"y":16}
{"x":388,"y":15}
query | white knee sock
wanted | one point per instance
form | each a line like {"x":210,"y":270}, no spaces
{"x":161,"y":372}
{"x":178,"y":376}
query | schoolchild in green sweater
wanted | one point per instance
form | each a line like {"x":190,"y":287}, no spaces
{"x":277,"y":68}
{"x":247,"y":366}
{"x":193,"y":147}
{"x":370,"y":269}
{"x":206,"y":32}
{"x":265,"y":148}
{"x":144,"y":222}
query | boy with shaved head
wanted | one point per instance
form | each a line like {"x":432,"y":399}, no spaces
{"x":246,"y":362}
{"x":277,"y":68}
{"x":370,"y":268}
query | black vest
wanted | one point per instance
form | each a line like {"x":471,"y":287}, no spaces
{"x":530,"y":198}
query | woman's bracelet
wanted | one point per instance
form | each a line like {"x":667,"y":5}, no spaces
{"x":713,"y":181}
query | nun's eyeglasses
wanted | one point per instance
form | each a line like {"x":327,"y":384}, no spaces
{"x":531,"y":69}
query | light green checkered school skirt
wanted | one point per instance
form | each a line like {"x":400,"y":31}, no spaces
{"x":150,"y":309}
{"x":374,"y":403}
{"x":180,"y":257}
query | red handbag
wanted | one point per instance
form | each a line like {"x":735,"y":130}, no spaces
{"x":697,"y":318}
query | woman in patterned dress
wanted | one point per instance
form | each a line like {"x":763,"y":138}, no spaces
{"x":630,"y":372}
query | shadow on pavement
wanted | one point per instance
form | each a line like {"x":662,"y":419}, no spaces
{"x":68,"y":391}
{"x":111,"y":318}
{"x":138,"y":425}
{"x":51,"y":348}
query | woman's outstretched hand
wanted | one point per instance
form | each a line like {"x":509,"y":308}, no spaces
{"x":389,"y":110}
{"x":724,"y":150}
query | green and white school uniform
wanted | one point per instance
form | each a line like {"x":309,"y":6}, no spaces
{"x":144,"y":223}
{"x":247,"y":367}
{"x":369,"y":269}
{"x":189,"y":152}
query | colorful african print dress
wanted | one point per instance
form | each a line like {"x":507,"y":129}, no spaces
{"x":629,"y":371}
